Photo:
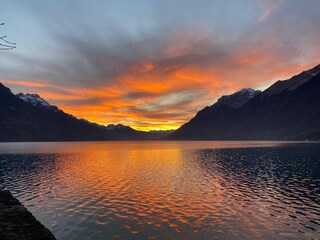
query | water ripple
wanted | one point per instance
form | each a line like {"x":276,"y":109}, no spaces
{"x":168,"y":190}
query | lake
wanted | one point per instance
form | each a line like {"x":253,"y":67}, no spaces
{"x":168,"y":190}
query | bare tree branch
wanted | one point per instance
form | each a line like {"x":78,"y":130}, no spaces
{"x":6,"y":41}
{"x":6,"y":45}
{"x":1,"y":49}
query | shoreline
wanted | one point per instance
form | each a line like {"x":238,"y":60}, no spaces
{"x":16,"y":222}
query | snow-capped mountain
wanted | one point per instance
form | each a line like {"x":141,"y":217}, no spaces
{"x":232,"y":101}
{"x":239,"y":98}
{"x":116,"y":126}
{"x":34,"y":99}
{"x":37,"y":101}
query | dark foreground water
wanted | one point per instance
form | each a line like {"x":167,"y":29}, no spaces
{"x":168,"y":190}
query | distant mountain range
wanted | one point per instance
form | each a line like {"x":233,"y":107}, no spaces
{"x":28,"y":117}
{"x":287,"y":110}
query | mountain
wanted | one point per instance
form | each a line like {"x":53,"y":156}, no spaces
{"x":201,"y":127}
{"x":239,"y":98}
{"x":287,"y":110}
{"x":159,"y":134}
{"x":22,"y":118}
{"x":28,"y":117}
{"x":117,"y":127}
{"x":122,"y":132}
{"x":34,"y":99}
{"x":228,"y":103}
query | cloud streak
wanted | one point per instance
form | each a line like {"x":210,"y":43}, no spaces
{"x":268,"y":7}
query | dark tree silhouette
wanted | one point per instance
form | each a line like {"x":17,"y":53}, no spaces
{"x":5,"y":44}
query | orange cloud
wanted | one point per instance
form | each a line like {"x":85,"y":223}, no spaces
{"x":163,"y":102}
{"x":24,"y":83}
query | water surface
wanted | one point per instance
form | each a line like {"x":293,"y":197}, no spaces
{"x":168,"y":190}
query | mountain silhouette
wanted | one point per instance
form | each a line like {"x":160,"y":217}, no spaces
{"x":28,"y":117}
{"x":287,"y":110}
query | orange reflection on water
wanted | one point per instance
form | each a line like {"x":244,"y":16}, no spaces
{"x":161,"y":190}
{"x":137,"y":183}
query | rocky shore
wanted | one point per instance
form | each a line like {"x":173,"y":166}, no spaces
{"x":17,"y":223}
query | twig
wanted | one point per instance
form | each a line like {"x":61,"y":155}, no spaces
{"x":7,"y":45}
{"x":6,"y":41}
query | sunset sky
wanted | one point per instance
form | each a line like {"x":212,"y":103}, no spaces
{"x":153,"y":64}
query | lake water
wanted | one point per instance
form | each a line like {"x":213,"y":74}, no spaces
{"x":168,"y":190}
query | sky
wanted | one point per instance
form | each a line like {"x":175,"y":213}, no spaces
{"x":153,"y":64}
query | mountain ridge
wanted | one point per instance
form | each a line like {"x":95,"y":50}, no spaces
{"x":285,"y":114}
{"x":287,"y":110}
{"x":28,"y":117}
